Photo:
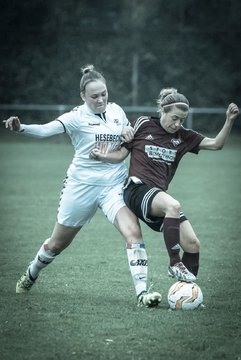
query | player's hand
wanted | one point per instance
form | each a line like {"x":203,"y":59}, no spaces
{"x":96,"y":154}
{"x":127,"y":133}
{"x":13,"y":123}
{"x":232,"y":112}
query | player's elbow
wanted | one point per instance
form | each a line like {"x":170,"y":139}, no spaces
{"x":41,"y":136}
{"x":218,"y":146}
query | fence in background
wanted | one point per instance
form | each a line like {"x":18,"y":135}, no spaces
{"x":140,"y":110}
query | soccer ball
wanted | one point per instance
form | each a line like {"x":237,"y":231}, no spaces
{"x":184,"y":296}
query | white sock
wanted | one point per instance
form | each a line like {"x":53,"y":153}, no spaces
{"x":42,"y":259}
{"x":137,"y":259}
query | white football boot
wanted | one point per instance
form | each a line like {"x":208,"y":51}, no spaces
{"x":181,"y":273}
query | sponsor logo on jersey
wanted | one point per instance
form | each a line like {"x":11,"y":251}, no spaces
{"x":107,"y":137}
{"x":160,"y":153}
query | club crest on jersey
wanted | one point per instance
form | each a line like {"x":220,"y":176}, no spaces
{"x":176,"y":142}
{"x":117,"y":121}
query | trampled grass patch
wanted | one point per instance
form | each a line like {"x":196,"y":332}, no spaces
{"x":84,"y":305}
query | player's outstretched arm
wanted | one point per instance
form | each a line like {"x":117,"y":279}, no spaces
{"x":112,"y":157}
{"x":54,"y":127}
{"x":13,"y":123}
{"x":218,"y":142}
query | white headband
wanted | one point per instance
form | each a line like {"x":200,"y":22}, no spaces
{"x":176,"y":103}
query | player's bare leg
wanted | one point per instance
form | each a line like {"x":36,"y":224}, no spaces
{"x":61,"y":237}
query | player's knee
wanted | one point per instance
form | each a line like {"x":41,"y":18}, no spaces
{"x":174,"y":208}
{"x":132,"y":233}
{"x":193,"y":244}
{"x":56,"y":249}
{"x":57,"y":246}
{"x":197,"y":244}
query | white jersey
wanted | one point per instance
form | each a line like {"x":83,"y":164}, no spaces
{"x":88,"y":131}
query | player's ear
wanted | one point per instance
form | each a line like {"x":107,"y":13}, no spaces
{"x":82,"y":95}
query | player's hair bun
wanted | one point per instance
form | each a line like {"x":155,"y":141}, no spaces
{"x":165,"y":92}
{"x":87,"y":68}
{"x":170,"y":96}
{"x":90,"y":74}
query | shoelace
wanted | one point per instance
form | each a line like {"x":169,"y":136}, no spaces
{"x":182,"y":268}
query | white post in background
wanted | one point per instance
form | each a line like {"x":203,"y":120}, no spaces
{"x":135,"y":79}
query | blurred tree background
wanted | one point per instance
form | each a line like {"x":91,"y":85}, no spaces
{"x":140,"y":46}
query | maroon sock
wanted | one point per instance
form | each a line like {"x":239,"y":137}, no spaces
{"x":171,"y":234}
{"x":191,"y":261}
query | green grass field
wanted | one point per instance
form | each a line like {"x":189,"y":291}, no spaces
{"x":84,"y":305}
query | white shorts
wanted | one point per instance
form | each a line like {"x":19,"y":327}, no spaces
{"x":79,"y":202}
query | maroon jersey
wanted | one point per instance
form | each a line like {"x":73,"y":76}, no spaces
{"x":155,"y":154}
